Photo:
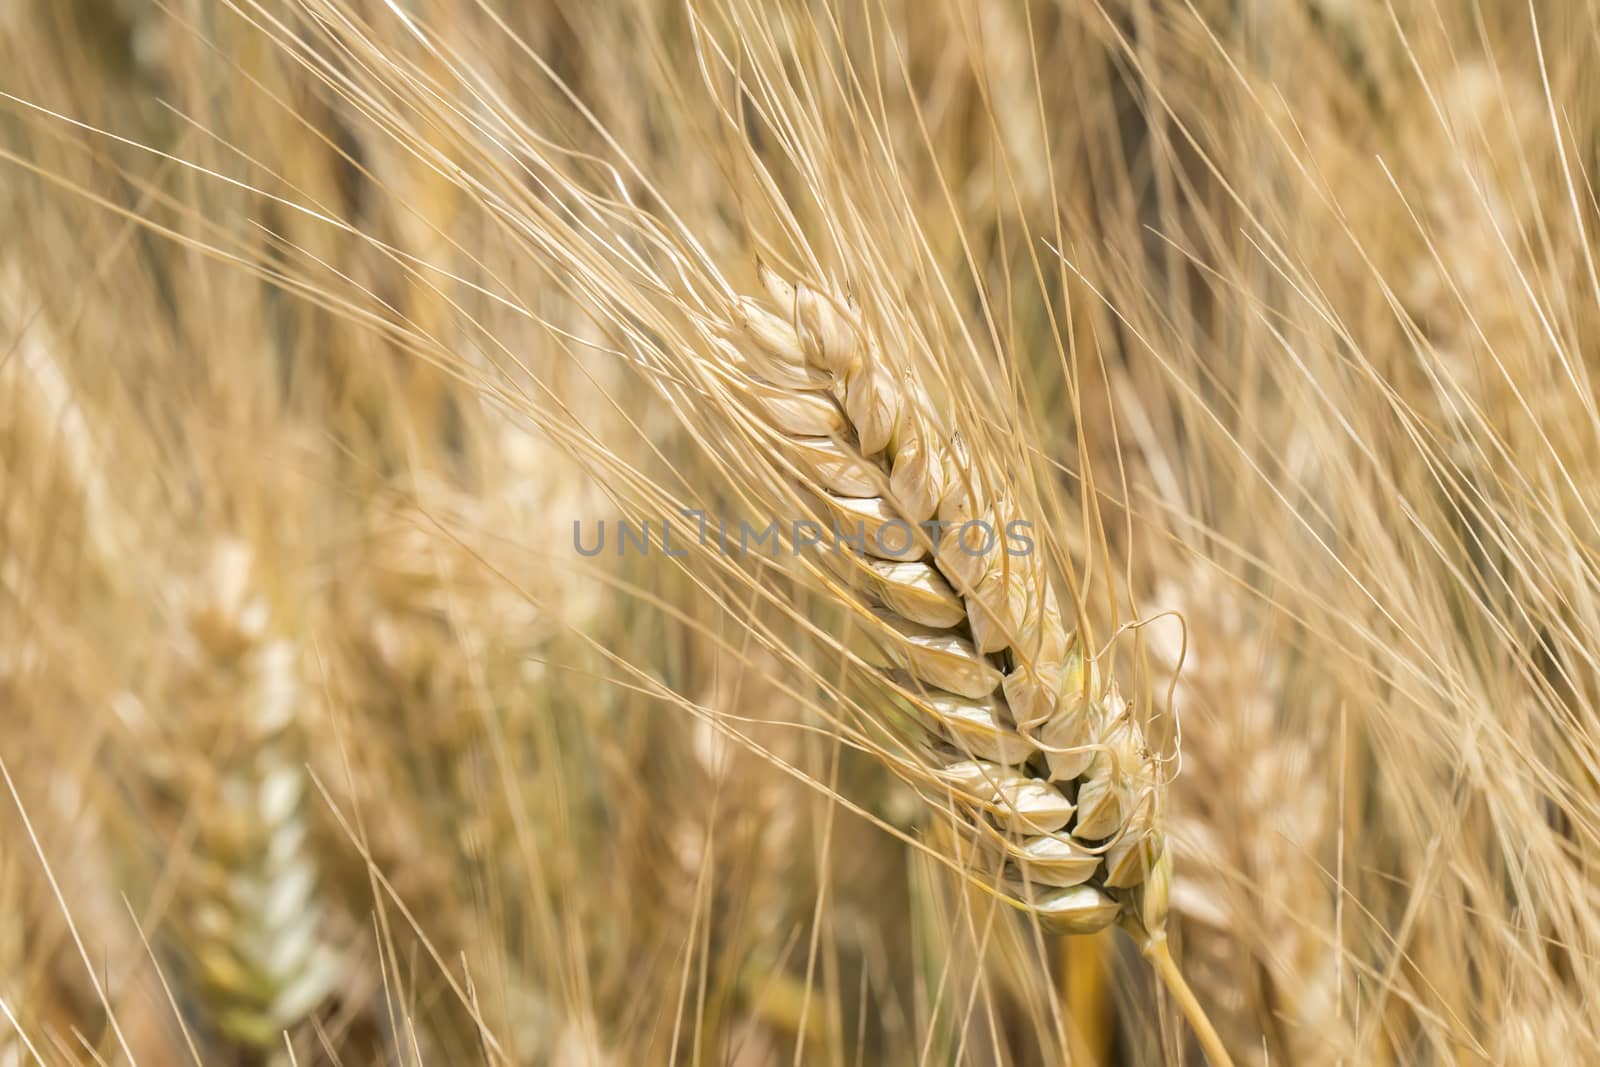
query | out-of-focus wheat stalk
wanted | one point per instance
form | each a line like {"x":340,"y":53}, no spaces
{"x":1257,"y":833}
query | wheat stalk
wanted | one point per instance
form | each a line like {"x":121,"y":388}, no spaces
{"x":1252,"y":909}
{"x":1043,"y":757}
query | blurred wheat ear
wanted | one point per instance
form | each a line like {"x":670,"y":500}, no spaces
{"x":222,"y":748}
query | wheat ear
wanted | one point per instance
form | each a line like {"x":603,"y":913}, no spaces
{"x":1045,"y":759}
{"x":247,"y":924}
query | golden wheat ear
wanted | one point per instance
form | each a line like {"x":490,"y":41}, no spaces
{"x":1043,"y":757}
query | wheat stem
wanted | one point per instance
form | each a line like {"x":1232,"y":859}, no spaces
{"x":1155,"y":950}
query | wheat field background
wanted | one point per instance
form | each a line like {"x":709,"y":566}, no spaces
{"x":345,"y":343}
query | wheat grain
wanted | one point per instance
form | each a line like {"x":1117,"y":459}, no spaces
{"x":1062,"y":774}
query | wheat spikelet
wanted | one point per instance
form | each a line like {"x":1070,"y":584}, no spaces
{"x":1047,"y":754}
{"x":247,"y":926}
